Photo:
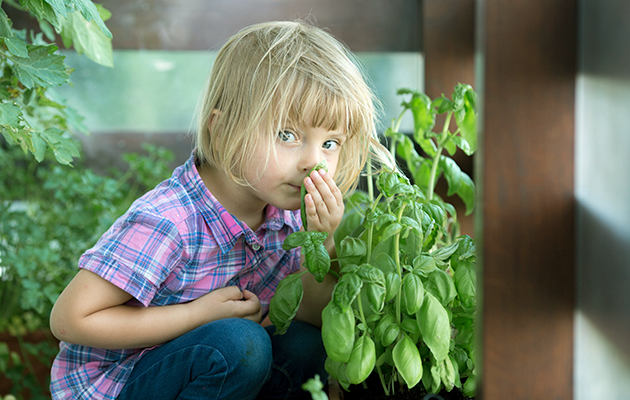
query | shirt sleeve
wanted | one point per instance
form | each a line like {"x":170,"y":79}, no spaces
{"x":136,"y":254}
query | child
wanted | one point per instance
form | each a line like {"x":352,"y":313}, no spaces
{"x":168,"y":304}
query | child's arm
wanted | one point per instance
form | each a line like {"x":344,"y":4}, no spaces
{"x":324,"y":210}
{"x":91,"y":311}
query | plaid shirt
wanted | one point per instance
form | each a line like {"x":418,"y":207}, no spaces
{"x":175,"y":244}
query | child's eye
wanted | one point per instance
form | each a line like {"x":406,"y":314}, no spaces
{"x":331,"y":145}
{"x":287,"y":136}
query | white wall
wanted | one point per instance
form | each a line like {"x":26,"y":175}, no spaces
{"x":602,"y":325}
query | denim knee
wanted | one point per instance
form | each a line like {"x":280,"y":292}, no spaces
{"x":250,"y":349}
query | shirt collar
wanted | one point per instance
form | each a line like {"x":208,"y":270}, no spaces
{"x":225,"y":227}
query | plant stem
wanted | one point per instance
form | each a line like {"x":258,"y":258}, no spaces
{"x":396,"y":253}
{"x":383,"y":383}
{"x":370,"y":184}
{"x":395,"y":127}
{"x":436,"y":159}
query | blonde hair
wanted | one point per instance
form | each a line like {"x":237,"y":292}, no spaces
{"x":277,"y":73}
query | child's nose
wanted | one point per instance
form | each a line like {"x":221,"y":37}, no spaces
{"x":310,"y":159}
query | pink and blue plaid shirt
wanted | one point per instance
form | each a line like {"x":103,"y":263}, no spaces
{"x":175,"y":244}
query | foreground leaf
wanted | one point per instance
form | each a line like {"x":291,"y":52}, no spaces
{"x":338,"y":332}
{"x":407,"y":360}
{"x":42,"y":67}
{"x":434,"y":326}
{"x":362,"y":360}
{"x":285,"y":302}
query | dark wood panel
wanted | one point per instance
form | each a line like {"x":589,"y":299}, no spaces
{"x":528,"y":217}
{"x":364,"y":25}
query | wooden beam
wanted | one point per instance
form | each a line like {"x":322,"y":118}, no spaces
{"x":201,"y":25}
{"x":527,"y":169}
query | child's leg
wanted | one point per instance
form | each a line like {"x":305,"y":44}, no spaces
{"x":298,"y":355}
{"x":225,"y":359}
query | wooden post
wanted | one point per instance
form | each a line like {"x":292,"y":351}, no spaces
{"x":528,"y":49}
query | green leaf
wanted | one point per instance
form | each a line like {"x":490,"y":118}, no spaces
{"x":391,"y":230}
{"x":449,"y":145}
{"x":442,"y":104}
{"x":316,"y":257}
{"x":296,"y":239}
{"x":466,"y":192}
{"x":436,"y":212}
{"x":467,"y":118}
{"x":91,"y":12}
{"x":42,"y":68}
{"x":467,"y":249}
{"x":362,"y":360}
{"x":422,"y":173}
{"x":314,"y":386}
{"x":351,"y":250}
{"x":285,"y":302}
{"x":424,"y":264}
{"x":427,"y":145}
{"x":64,"y":148}
{"x":423,"y":114}
{"x":10,"y":114}
{"x":337,"y":370}
{"x":407,"y":361}
{"x":448,"y":374}
{"x":338,"y":332}
{"x":390,"y":334}
{"x":452,"y":173}
{"x":43,"y":10}
{"x":87,"y":37}
{"x":39,"y":146}
{"x":384,"y":262}
{"x":5,"y":25}
{"x":445,"y":252}
{"x":385,"y":321}
{"x":441,"y":285}
{"x":16,"y":46}
{"x":470,"y":386}
{"x":346,"y":290}
{"x":412,"y":293}
{"x":391,"y":183}
{"x":392,"y":285}
{"x":434,"y":325}
{"x":466,"y":284}
{"x":462,"y":144}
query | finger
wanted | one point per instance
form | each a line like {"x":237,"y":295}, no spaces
{"x":231,"y":292}
{"x":247,"y":295}
{"x":332,"y":186}
{"x":325,"y":198}
{"x":311,"y":210}
{"x":315,"y":191}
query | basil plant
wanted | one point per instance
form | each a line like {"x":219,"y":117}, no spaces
{"x":404,"y":306}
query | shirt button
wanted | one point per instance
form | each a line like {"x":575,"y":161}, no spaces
{"x":256,"y":246}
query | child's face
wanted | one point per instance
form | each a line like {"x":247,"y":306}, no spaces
{"x":297,"y":151}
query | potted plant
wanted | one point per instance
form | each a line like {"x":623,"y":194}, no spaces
{"x":403,"y":309}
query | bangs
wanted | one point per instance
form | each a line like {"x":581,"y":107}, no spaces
{"x":306,"y":101}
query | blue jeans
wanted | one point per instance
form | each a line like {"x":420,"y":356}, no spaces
{"x":233,"y":359}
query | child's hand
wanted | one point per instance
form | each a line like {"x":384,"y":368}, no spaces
{"x":324,"y":202}
{"x":230,"y":302}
